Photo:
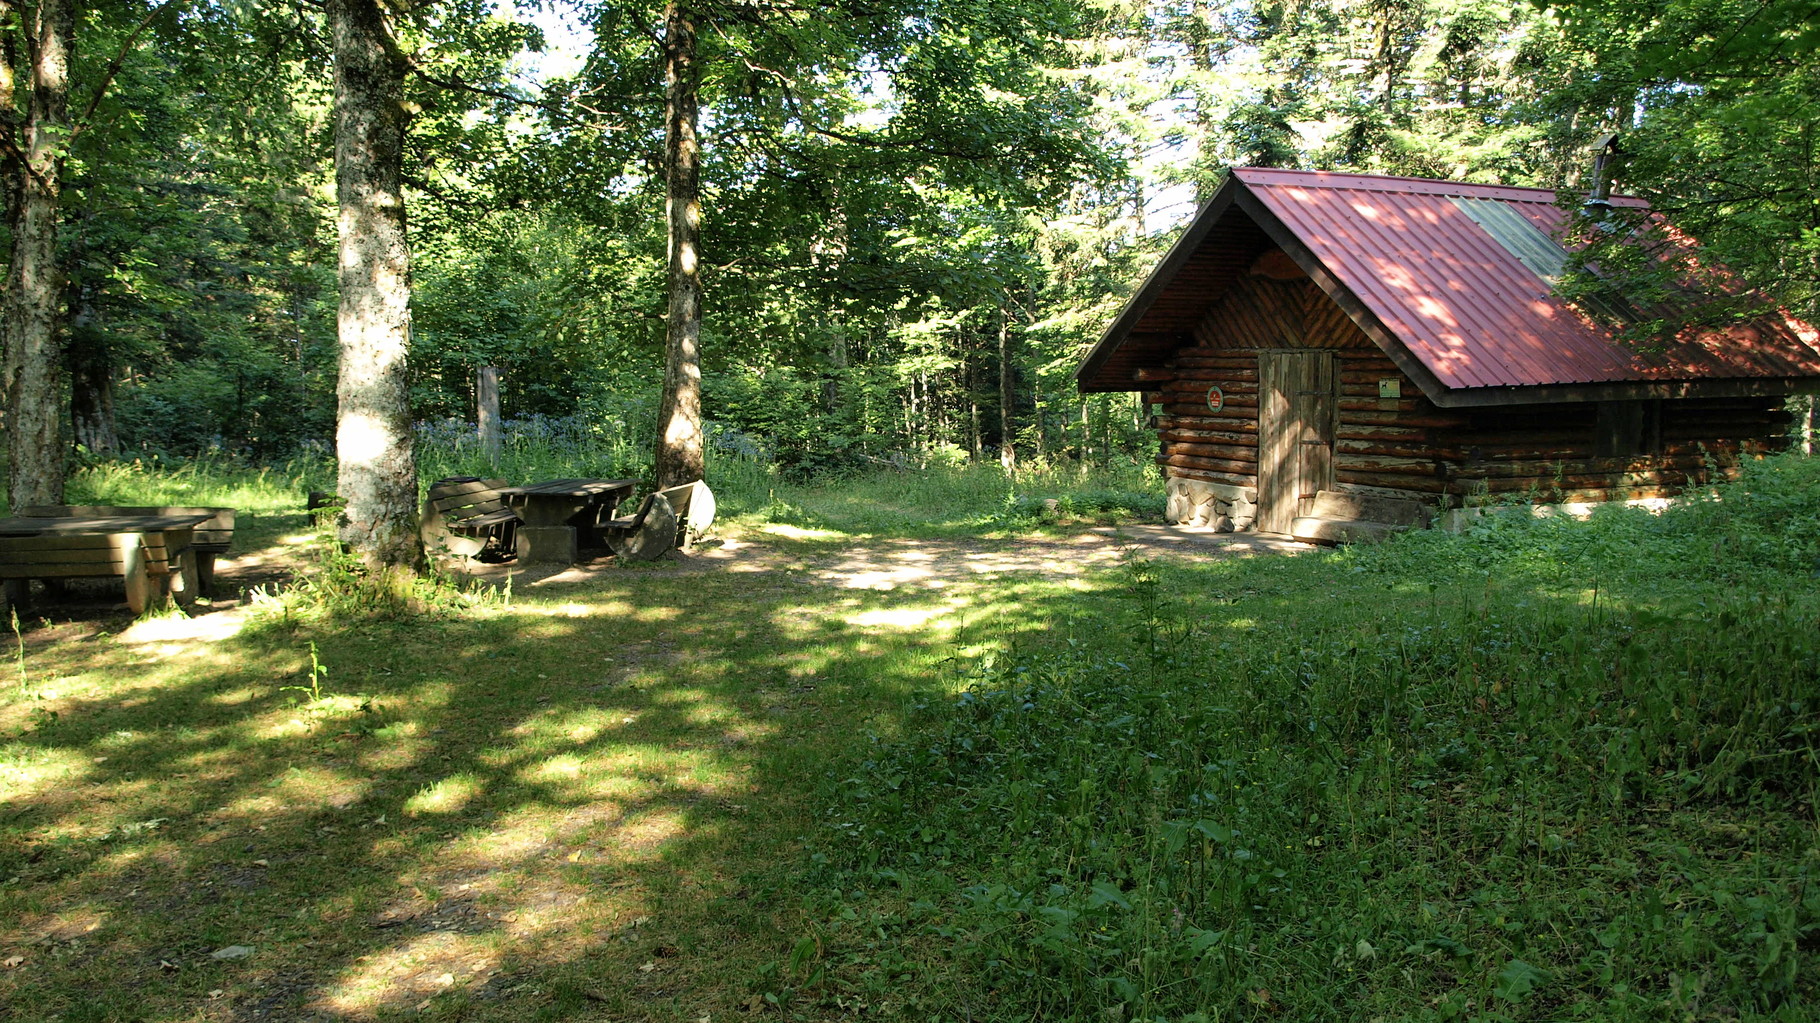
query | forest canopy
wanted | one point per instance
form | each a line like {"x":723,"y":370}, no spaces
{"x":913,"y":214}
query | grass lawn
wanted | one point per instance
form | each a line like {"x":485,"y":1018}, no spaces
{"x":1543,"y":771}
{"x":588,"y":801}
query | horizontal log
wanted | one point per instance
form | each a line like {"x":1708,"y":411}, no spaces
{"x":1549,"y":469}
{"x":1204,"y":377}
{"x":1431,"y":418}
{"x":1566,"y":440}
{"x":1377,"y":404}
{"x":1153,"y":374}
{"x":1407,"y":466}
{"x":1357,"y":431}
{"x":1214,"y":436}
{"x":1417,"y":449}
{"x":1207,"y":421}
{"x":1185,"y":363}
{"x":1562,"y":489}
{"x":1213,"y":464}
{"x":1229,"y":452}
{"x":1200,"y":386}
{"x":1390,"y":481}
{"x":1230,"y":479}
{"x":1234,"y":406}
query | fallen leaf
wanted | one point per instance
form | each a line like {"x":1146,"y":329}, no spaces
{"x":262,"y":863}
{"x":167,"y":966}
{"x":648,"y":967}
{"x":232,"y":952}
{"x":423,"y":1005}
{"x":217,"y":993}
{"x":13,"y":961}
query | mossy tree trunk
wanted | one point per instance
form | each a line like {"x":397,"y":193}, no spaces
{"x":34,"y":290}
{"x":378,"y":472}
{"x":679,"y":429}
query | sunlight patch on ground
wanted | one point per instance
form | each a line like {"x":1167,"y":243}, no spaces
{"x":449,"y":795}
{"x":26,"y":771}
{"x":424,"y":967}
{"x":789,"y":532}
{"x":903,"y":618}
{"x":171,"y":633}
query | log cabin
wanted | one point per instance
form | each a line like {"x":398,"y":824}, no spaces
{"x":1331,"y":356}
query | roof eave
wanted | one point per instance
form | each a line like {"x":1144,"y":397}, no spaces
{"x":1733,"y":387}
{"x":1152,"y":288}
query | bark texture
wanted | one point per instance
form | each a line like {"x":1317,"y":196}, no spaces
{"x":1007,"y":394}
{"x":34,"y":290}
{"x":679,"y":431}
{"x":486,"y":412}
{"x":378,"y":472}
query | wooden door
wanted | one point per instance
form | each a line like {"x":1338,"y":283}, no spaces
{"x":1298,"y":405}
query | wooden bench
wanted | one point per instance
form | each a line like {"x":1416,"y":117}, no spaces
{"x":140,"y":559}
{"x":695,"y":506}
{"x":212,"y":538}
{"x":466,"y":516}
{"x":645,"y":535}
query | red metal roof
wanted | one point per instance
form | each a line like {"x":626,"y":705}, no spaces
{"x":1452,"y":296}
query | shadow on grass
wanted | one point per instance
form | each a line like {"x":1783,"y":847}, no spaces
{"x":587,"y":803}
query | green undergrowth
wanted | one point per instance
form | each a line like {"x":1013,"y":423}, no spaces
{"x":980,"y":499}
{"x":202,"y":481}
{"x":1546,"y":770}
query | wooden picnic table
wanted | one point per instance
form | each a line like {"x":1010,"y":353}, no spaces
{"x":558,"y":513}
{"x":158,"y":551}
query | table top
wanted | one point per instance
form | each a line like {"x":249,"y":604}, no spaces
{"x":571,"y":488}
{"x":37,"y":525}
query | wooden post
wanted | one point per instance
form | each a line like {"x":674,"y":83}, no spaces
{"x":486,"y":395}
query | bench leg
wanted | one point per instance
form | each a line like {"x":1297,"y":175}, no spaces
{"x":19,"y":594}
{"x":182,"y":581}
{"x":139,"y":586}
{"x":205,"y":573}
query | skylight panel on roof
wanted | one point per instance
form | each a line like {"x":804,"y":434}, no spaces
{"x":1541,"y":254}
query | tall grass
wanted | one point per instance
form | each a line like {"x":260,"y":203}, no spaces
{"x":951,"y":500}
{"x":201,"y":481}
{"x":1547,"y":770}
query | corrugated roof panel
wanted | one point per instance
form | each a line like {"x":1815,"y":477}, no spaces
{"x":1472,"y":307}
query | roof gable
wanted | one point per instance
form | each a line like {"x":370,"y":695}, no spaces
{"x":1462,"y":302}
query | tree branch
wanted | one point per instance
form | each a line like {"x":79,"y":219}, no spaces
{"x":119,"y":61}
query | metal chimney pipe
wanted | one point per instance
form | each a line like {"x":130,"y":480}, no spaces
{"x":1605,"y":152}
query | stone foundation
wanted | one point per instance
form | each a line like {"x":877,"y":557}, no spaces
{"x":1220,"y":506}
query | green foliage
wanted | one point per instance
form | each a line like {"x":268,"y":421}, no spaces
{"x":1544,"y":770}
{"x":215,"y":480}
{"x":337,"y":589}
{"x":1716,"y":99}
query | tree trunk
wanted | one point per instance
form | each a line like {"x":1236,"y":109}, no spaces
{"x":34,"y":415}
{"x":679,"y":433}
{"x":486,"y":413}
{"x":378,"y":472}
{"x":1007,"y":393}
{"x":91,"y":369}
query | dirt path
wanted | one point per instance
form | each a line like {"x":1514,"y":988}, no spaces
{"x":890,"y":564}
{"x":885,"y":564}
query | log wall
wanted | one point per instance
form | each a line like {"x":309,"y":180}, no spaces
{"x":1445,"y":456}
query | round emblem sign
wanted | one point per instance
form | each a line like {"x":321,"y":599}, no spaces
{"x":1216,"y":399}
